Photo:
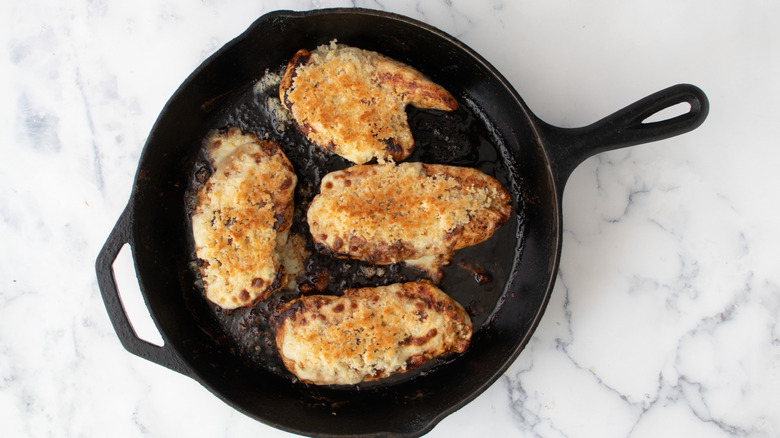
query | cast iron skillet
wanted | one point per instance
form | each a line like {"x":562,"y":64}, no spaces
{"x":532,"y":158}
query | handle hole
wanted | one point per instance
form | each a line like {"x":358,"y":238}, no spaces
{"x":669,"y":113}
{"x":132,"y":299}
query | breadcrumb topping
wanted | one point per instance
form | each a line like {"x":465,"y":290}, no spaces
{"x":386,"y":213}
{"x":242,"y":219}
{"x":352,"y":101}
{"x":370,"y":333}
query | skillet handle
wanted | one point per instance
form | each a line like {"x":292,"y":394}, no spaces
{"x":121,"y":235}
{"x":627,"y":127}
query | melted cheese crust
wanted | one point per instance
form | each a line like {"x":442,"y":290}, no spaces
{"x":387,"y":213}
{"x":242,"y":219}
{"x":352,"y":101}
{"x":369,"y":333}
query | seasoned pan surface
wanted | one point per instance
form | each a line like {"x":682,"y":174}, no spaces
{"x":476,"y":277}
{"x":504,"y":283}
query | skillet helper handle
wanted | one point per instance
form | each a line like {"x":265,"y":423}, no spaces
{"x":121,"y":235}
{"x":627,"y":127}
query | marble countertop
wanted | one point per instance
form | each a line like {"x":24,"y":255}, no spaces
{"x":663,"y":321}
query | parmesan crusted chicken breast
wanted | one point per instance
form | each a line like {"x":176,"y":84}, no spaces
{"x":352,"y":101}
{"x":387,"y":213}
{"x":369,"y":333}
{"x":242,"y":219}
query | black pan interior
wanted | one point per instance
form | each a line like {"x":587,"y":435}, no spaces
{"x":504,"y":282}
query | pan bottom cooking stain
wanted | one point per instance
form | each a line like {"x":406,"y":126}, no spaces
{"x":476,"y":276}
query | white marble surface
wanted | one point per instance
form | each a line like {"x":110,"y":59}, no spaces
{"x":663,"y":322}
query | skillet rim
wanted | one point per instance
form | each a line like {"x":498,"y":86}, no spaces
{"x":517,"y":348}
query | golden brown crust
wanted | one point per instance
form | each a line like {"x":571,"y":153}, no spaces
{"x":386,"y":213}
{"x":242,"y":219}
{"x":352,"y":101}
{"x":369,"y":333}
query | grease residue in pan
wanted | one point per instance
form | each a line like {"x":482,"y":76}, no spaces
{"x":476,"y":277}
